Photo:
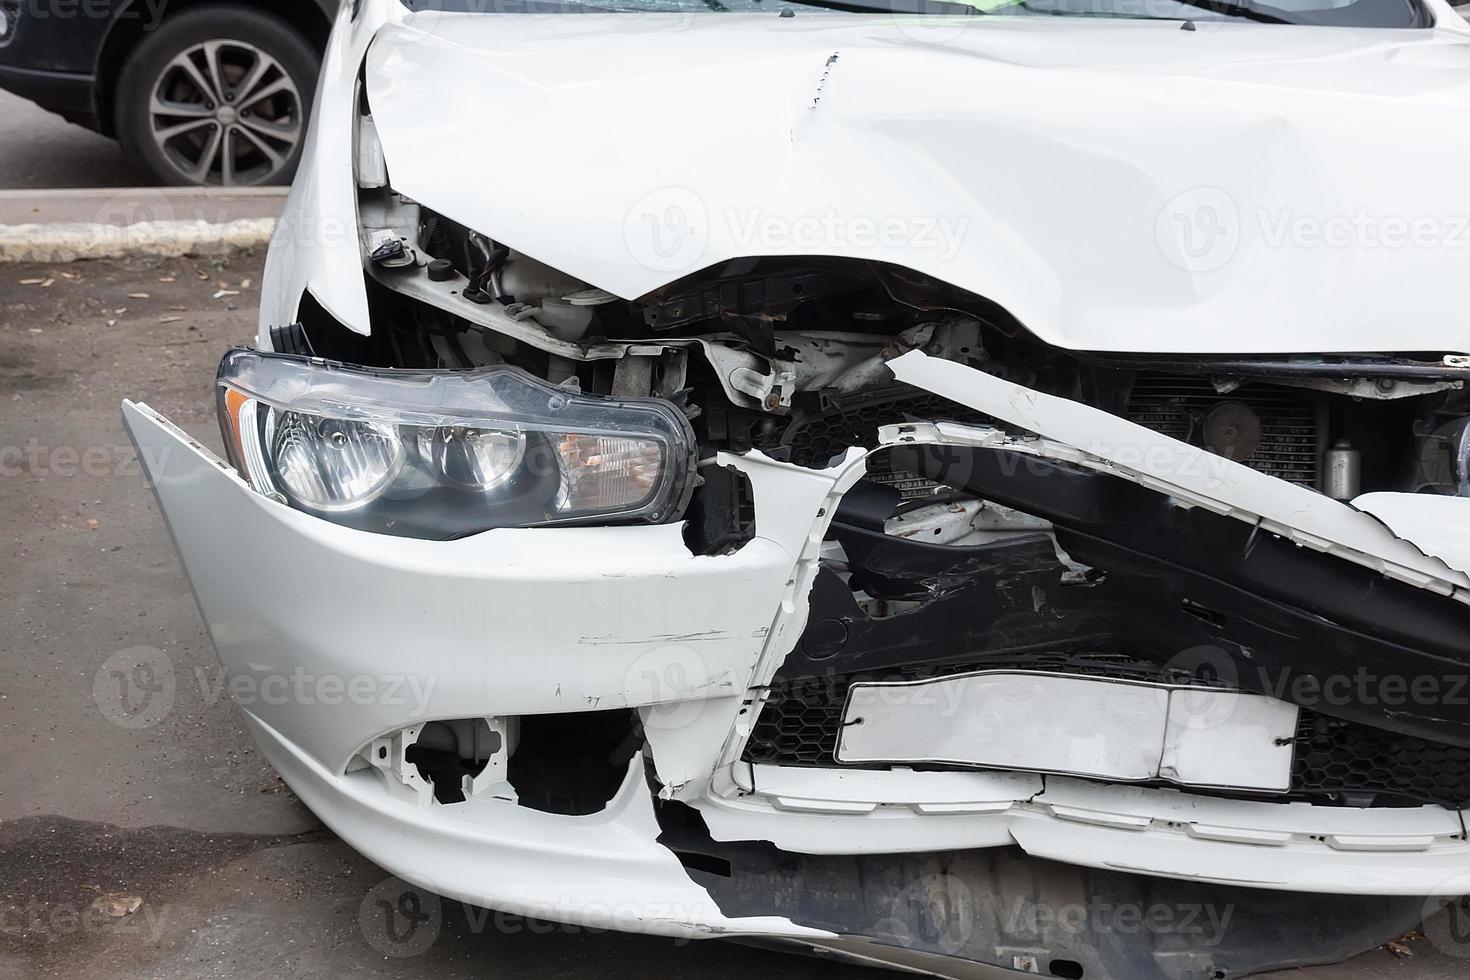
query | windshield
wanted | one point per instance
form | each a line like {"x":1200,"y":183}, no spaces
{"x":1328,"y":13}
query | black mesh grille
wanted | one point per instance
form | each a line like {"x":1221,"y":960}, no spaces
{"x":1354,"y":760}
{"x":1291,"y":424}
{"x":1350,"y":763}
{"x":1292,"y":431}
{"x":815,"y":439}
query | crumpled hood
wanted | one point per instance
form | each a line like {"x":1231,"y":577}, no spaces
{"x":1120,"y":186}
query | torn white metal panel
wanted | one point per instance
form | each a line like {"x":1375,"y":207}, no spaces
{"x":793,"y":507}
{"x":605,"y":870}
{"x":788,"y":520}
{"x":1196,"y":476}
{"x":1118,"y":730}
{"x":1139,"y":267}
{"x":684,"y":740}
{"x":1437,"y":525}
{"x":504,"y":623}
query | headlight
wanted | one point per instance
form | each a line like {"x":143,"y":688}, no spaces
{"x":479,"y":459}
{"x":440,"y":454}
{"x":332,"y":464}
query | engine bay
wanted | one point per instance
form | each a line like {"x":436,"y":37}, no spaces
{"x":789,"y":357}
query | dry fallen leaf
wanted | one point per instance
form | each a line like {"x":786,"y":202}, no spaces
{"x":117,"y":904}
{"x":31,"y":282}
{"x":170,"y":319}
{"x":138,"y":295}
{"x":93,"y":524}
{"x":1399,"y":949}
{"x":166,"y":279}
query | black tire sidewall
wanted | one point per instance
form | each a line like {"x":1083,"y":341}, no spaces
{"x":221,"y":22}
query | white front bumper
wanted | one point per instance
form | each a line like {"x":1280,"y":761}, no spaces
{"x":522,"y":622}
{"x":505,"y":623}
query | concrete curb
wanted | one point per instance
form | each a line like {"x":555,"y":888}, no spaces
{"x":163,"y":239}
{"x":65,"y":226}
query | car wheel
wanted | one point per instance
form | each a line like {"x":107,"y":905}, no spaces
{"x":217,"y":95}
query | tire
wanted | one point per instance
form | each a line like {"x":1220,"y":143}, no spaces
{"x":234,"y":89}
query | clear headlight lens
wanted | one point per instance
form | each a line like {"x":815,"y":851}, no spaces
{"x":479,"y":459}
{"x":439,"y":454}
{"x":332,"y":464}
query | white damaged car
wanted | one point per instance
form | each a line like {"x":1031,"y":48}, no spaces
{"x":877,"y":476}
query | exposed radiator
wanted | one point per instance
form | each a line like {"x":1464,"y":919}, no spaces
{"x":1293,"y":423}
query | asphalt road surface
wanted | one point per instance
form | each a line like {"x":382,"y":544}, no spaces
{"x":39,"y":149}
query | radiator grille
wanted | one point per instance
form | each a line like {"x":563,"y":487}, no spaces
{"x":1292,"y":430}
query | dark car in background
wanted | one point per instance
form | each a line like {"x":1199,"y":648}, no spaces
{"x":197,"y":91}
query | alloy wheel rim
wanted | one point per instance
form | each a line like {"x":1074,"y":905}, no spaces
{"x":226,"y":112}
